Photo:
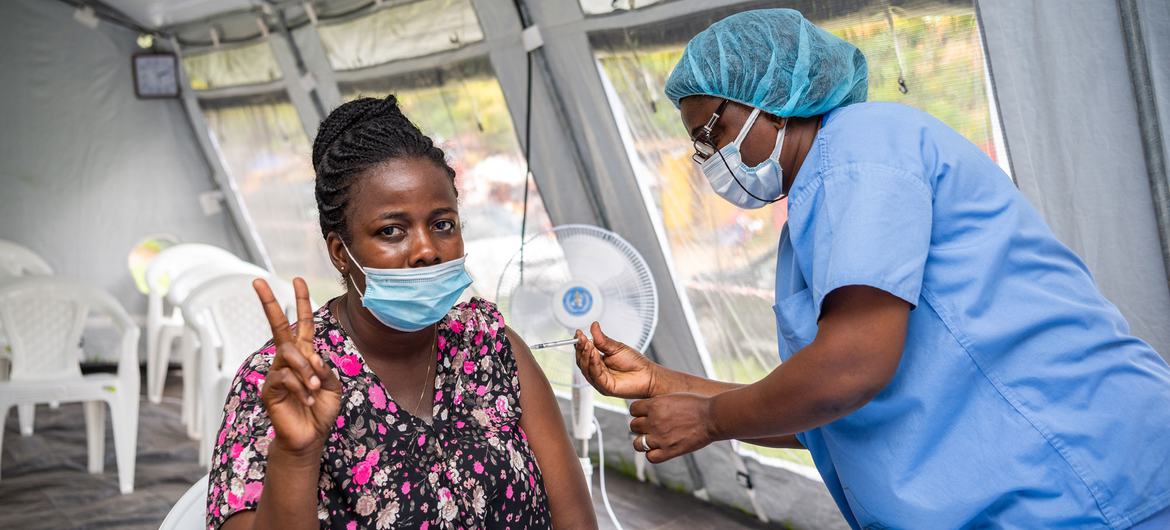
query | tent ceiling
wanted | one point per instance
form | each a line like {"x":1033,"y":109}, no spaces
{"x":161,"y":13}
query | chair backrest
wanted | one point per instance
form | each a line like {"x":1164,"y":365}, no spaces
{"x":190,"y":512}
{"x":227,"y":306}
{"x":44,"y":317}
{"x":174,"y":260}
{"x":17,"y":260}
{"x":189,"y":280}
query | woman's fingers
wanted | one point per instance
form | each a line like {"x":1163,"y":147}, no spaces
{"x":286,"y":380}
{"x":301,"y":366}
{"x":273,"y":312}
{"x":305,"y":326}
{"x":328,"y":378}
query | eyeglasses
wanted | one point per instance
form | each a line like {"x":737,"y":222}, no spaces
{"x":704,"y":145}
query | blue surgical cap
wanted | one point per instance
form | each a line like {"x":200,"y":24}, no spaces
{"x":774,"y":60}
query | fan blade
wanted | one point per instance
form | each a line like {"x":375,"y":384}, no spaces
{"x":593,"y":260}
{"x":530,"y":314}
{"x":624,"y":323}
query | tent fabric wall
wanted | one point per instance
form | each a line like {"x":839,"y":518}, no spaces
{"x":1075,"y":144}
{"x":86,"y":168}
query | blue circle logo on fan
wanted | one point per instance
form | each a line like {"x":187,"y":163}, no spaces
{"x":577,"y":301}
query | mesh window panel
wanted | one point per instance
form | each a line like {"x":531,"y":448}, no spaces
{"x":242,"y":65}
{"x":265,"y":149}
{"x":402,"y":31}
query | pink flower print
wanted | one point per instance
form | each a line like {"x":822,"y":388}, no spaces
{"x":501,"y":404}
{"x":377,"y":396}
{"x":458,"y":399}
{"x":381,"y":429}
{"x":505,"y":428}
{"x":406,"y":488}
{"x":372,"y":457}
{"x":352,"y":525}
{"x":508,"y":492}
{"x":392,"y":407}
{"x":468,"y":367}
{"x":425,"y":526}
{"x":498,"y":346}
{"x":422,"y":439}
{"x":252,"y":491}
{"x":478,"y":338}
{"x":237,"y":449}
{"x":335,"y":337}
{"x":362,"y":472}
{"x":531,"y":481}
{"x":349,"y":364}
{"x":456,"y":326}
{"x":441,"y":343}
{"x":235,"y":502}
{"x":479,"y":467}
{"x":481,"y":390}
{"x":222,"y":436}
{"x":340,"y":421}
{"x":483,"y":350}
{"x":254,"y":378}
{"x":459,"y":424}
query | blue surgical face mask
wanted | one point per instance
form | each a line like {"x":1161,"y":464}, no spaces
{"x":743,"y":186}
{"x":411,"y":299}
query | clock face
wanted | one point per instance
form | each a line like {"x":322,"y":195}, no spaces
{"x":155,"y":75}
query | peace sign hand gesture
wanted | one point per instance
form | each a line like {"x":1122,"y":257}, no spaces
{"x":301,"y":394}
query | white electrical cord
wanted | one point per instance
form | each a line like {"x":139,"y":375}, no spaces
{"x":601,"y":464}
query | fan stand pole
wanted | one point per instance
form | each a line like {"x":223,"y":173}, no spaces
{"x":582,"y":406}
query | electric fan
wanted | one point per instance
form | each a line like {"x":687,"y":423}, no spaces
{"x":567,"y":278}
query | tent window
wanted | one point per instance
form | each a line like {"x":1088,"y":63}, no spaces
{"x":602,"y":7}
{"x":403,"y":31}
{"x":725,"y":257}
{"x":244,"y":65}
{"x":265,"y":150}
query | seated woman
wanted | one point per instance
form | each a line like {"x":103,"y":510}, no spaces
{"x":391,"y":406}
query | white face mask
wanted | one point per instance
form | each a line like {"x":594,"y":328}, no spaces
{"x":743,"y":186}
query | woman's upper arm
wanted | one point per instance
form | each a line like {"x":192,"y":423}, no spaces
{"x":540,"y":417}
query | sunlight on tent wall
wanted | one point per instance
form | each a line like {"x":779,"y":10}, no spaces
{"x":725,"y":257}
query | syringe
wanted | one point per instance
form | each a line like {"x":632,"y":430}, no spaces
{"x":553,"y":344}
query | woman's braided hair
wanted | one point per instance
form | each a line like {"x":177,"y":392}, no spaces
{"x":354,"y":137}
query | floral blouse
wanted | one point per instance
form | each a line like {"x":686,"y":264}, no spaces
{"x":382,"y":467}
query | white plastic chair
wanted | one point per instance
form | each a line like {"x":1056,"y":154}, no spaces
{"x":226,"y":312}
{"x":45,"y":317}
{"x":190,"y":512}
{"x":164,"y":269}
{"x":17,"y":261}
{"x":181,"y":287}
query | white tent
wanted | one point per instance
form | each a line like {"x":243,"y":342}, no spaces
{"x":1072,"y":98}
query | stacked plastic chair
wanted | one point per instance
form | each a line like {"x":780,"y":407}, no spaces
{"x":18,"y":261}
{"x":189,"y":346}
{"x":44,"y":318}
{"x":230,"y":324}
{"x":163,"y":271}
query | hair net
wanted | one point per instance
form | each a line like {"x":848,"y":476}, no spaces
{"x":774,"y":60}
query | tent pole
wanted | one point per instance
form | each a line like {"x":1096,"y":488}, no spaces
{"x":1147,"y":115}
{"x":219,"y":175}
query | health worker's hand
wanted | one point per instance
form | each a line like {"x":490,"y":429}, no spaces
{"x":613,"y":368}
{"x":671,"y":425}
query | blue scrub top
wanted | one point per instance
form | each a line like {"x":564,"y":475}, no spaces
{"x":1022,"y":400}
